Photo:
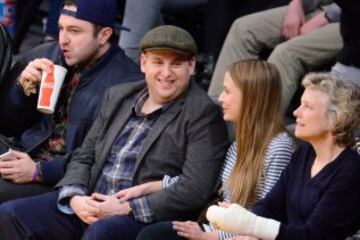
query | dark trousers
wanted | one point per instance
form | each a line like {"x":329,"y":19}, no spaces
{"x":38,"y":218}
{"x":159,"y":231}
{"x":10,"y":190}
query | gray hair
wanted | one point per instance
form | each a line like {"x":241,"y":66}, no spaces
{"x":343,"y":105}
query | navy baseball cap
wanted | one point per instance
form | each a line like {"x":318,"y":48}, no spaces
{"x":102,"y":12}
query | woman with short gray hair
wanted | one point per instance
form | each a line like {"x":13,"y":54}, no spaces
{"x":343,"y":105}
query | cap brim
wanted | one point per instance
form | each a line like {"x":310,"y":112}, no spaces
{"x":169,"y":49}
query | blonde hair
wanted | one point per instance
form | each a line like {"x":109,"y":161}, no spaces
{"x":343,"y":106}
{"x":260,"y":120}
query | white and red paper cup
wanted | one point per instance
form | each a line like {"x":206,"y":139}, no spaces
{"x":50,"y":88}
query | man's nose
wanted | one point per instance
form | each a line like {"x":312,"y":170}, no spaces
{"x":63,"y":38}
{"x":166,"y":70}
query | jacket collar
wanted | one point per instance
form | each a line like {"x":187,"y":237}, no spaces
{"x":101,"y":61}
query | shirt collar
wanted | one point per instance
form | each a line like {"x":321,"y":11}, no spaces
{"x":139,"y":101}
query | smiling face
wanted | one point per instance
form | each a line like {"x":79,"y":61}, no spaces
{"x":167,"y":74}
{"x":77,"y":40}
{"x":230,"y":99}
{"x":312,"y":120}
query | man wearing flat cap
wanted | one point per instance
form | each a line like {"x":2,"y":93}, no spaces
{"x":46,"y":142}
{"x":153,"y":154}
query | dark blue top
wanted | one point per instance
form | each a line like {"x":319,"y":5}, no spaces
{"x":325,"y":206}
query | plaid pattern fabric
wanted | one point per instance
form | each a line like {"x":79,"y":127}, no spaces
{"x":55,"y":144}
{"x":119,"y":167}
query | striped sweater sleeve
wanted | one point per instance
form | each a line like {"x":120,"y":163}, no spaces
{"x":278,"y":155}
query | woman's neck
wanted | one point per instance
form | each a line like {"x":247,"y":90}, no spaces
{"x":326,"y":152}
{"x":326,"y":149}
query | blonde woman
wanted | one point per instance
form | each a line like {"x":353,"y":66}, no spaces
{"x":317,"y":196}
{"x":251,"y":99}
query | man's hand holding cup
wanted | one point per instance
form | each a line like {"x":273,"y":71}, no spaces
{"x":30,"y":77}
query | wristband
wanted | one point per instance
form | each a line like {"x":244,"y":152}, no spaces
{"x":39,"y":172}
{"x":35,"y":173}
{"x":326,"y":15}
{"x":130,"y":212}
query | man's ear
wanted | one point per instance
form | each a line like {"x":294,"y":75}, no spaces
{"x":142,"y":62}
{"x":192,"y":64}
{"x":104,"y":35}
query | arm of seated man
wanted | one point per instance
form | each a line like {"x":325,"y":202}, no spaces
{"x":145,"y":188}
{"x":72,"y":199}
{"x":66,"y":193}
{"x":136,"y":200}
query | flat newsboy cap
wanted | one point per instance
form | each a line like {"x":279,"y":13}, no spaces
{"x":169,"y":37}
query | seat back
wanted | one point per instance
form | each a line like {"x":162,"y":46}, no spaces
{"x":5,"y":52}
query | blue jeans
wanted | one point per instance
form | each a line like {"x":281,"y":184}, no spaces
{"x":39,"y":218}
{"x":141,"y":16}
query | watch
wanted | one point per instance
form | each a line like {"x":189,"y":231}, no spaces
{"x":326,"y":15}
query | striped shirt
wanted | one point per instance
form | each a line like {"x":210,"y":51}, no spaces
{"x":277,"y":156}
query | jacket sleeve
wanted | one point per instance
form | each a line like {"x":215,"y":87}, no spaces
{"x":53,"y":170}
{"x":19,"y":111}
{"x":332,"y":10}
{"x":206,"y":146}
